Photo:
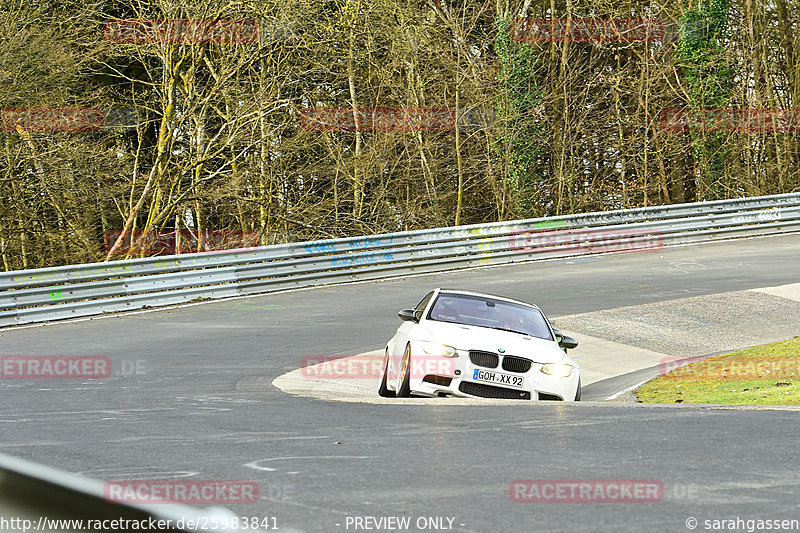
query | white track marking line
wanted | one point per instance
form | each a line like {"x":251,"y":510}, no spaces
{"x":254,"y":464}
{"x":620,"y":393}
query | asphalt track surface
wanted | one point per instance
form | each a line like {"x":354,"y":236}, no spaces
{"x":191,"y":397}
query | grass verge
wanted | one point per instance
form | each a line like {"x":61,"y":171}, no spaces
{"x":762,"y":375}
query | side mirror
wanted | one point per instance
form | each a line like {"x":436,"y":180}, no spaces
{"x":408,"y":314}
{"x":564,"y":341}
{"x":567,"y":342}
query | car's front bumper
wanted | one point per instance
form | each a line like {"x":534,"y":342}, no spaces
{"x":461,"y":379}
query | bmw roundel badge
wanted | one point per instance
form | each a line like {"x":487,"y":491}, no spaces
{"x":501,"y":350}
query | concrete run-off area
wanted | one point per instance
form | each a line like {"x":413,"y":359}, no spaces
{"x":612,"y":342}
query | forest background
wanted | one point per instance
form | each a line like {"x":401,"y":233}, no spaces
{"x":207,"y":137}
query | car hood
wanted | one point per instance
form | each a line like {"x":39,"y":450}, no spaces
{"x":464,"y":337}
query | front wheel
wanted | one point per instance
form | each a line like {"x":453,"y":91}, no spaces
{"x":578,"y":392}
{"x":383,"y":390}
{"x":404,"y":381}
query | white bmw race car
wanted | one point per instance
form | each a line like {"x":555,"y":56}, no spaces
{"x":463,"y":343}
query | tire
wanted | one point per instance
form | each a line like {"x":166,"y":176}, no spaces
{"x":578,"y":392}
{"x":404,"y":380}
{"x":383,"y":390}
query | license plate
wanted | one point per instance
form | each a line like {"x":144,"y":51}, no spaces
{"x":497,"y":377}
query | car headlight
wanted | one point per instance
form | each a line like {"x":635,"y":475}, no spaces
{"x":434,"y":348}
{"x":559,"y":370}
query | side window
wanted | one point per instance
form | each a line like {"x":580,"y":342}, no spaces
{"x":422,"y":304}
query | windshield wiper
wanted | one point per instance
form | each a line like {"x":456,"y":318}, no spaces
{"x":510,"y":330}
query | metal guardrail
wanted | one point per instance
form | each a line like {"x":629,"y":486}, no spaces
{"x":28,"y":296}
{"x":38,"y":497}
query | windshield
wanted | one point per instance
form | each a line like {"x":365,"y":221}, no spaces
{"x":490,"y":313}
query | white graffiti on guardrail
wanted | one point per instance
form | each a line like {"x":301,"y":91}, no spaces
{"x":753,"y":218}
{"x":362,"y":259}
{"x":615,"y":218}
{"x":428,"y":252}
